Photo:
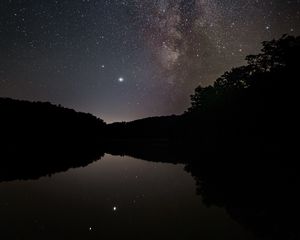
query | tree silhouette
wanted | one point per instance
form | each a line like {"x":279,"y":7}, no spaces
{"x":255,"y":102}
{"x":279,"y":59}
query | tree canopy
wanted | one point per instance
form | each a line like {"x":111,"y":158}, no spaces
{"x":277,"y":64}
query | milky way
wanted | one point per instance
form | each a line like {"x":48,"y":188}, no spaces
{"x":74,"y":53}
{"x":195,"y":41}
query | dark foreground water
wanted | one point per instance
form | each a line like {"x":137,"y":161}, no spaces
{"x":113,"y":198}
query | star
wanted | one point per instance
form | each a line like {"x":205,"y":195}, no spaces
{"x":114,"y":208}
{"x":158,"y":51}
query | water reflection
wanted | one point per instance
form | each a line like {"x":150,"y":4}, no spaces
{"x":116,"y":197}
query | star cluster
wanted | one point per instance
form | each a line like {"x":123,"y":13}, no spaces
{"x":126,"y":59}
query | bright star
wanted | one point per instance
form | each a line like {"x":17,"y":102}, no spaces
{"x":115,"y":208}
{"x":121,"y":79}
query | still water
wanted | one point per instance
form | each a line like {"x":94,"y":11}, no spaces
{"x":113,"y":198}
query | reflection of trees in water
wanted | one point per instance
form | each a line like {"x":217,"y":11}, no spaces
{"x":25,"y":164}
{"x":260,"y":192}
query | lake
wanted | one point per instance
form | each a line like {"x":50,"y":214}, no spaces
{"x":113,"y":198}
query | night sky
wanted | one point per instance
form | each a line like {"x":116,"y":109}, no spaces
{"x":128,"y":59}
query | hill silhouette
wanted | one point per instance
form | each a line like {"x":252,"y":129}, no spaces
{"x":249,"y":108}
{"x":40,"y":138}
{"x":252,"y":107}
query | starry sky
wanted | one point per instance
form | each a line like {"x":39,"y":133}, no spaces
{"x":128,"y":59}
